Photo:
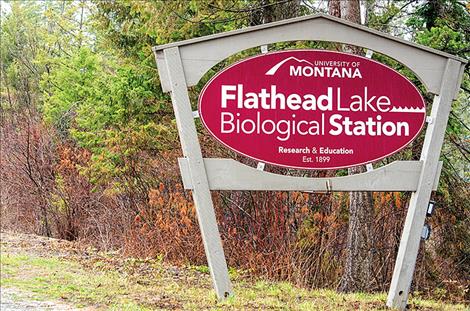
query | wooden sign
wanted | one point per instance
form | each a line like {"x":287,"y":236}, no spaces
{"x":278,"y":107}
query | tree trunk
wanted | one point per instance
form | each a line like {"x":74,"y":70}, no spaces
{"x":334,"y":8}
{"x":357,"y":274}
{"x":267,"y":11}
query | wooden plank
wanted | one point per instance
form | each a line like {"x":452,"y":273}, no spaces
{"x":162,"y":71}
{"x":197,"y":175}
{"x":300,"y":20}
{"x":228,"y":174}
{"x":200,"y":54}
{"x":415,"y":218}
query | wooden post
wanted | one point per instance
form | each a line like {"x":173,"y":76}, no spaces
{"x":201,"y":193}
{"x":415,"y":218}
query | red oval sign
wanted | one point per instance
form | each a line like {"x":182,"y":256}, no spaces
{"x":312,"y":109}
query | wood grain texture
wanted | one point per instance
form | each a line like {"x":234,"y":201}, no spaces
{"x":200,"y":54}
{"x":197,"y":175}
{"x":416,"y":215}
{"x":228,"y":174}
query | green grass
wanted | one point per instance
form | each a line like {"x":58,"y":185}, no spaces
{"x":144,"y":285}
{"x":59,"y":279}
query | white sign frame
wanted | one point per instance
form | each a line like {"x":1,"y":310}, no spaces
{"x":182,"y":64}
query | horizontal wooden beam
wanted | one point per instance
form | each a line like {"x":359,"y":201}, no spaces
{"x":200,"y":54}
{"x":228,"y":174}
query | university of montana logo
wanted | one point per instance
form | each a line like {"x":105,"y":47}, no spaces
{"x":301,"y":67}
{"x":312,"y":109}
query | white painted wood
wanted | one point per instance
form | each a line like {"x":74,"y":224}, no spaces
{"x":228,"y":174}
{"x":301,"y":19}
{"x":197,"y":174}
{"x":415,"y":218}
{"x":462,"y":70}
{"x":200,"y":54}
{"x":162,"y":71}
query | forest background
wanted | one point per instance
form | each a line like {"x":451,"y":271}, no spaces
{"x":89,"y":144}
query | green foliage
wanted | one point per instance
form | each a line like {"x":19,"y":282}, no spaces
{"x":443,"y":37}
{"x":20,"y":41}
{"x":107,"y":107}
{"x":124,"y":112}
{"x":105,"y":100}
{"x":67,"y":86}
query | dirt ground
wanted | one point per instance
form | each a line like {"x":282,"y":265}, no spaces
{"x":40,"y":273}
{"x":15,"y":300}
{"x":12,"y":299}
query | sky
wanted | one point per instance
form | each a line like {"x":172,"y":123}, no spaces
{"x":5,"y":7}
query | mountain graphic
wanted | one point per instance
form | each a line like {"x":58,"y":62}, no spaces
{"x":406,"y":109}
{"x":273,"y":70}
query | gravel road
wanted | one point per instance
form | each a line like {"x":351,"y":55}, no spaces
{"x":13,"y":300}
